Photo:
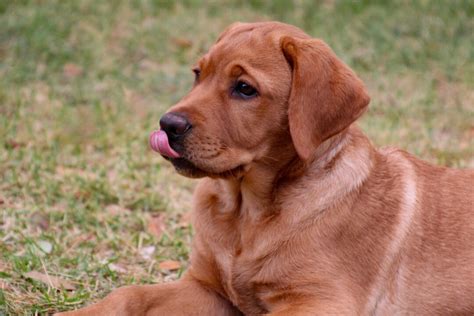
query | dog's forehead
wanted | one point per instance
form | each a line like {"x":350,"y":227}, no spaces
{"x":250,"y":42}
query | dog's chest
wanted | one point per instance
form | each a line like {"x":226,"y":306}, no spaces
{"x":238,"y":244}
{"x":240,"y":280}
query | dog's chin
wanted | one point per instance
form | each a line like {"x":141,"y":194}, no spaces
{"x":188,"y":169}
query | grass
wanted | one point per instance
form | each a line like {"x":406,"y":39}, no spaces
{"x":82,"y":83}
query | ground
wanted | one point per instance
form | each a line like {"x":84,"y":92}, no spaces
{"x":85,"y":206}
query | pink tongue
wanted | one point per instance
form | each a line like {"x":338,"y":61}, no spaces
{"x":159,"y":142}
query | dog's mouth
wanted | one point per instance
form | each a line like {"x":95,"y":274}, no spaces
{"x":159,"y":143}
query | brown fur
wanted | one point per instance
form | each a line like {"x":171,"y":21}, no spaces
{"x":299,"y":214}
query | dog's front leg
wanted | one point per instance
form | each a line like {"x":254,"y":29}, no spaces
{"x":312,"y":307}
{"x":183,"y":297}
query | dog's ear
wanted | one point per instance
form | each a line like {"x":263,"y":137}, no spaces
{"x":326,"y":95}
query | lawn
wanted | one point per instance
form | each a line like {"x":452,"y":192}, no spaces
{"x":85,"y":206}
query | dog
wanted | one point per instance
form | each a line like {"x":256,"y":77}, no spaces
{"x":297,"y":212}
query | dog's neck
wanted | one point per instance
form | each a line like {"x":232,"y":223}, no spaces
{"x":253,"y":194}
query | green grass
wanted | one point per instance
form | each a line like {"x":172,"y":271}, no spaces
{"x":82,"y":83}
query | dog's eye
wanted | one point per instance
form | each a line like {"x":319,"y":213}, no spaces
{"x":244,"y":90}
{"x":197,"y":73}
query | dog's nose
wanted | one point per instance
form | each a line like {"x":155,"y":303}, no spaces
{"x":174,"y":124}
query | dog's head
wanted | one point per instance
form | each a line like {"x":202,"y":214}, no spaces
{"x":262,"y":88}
